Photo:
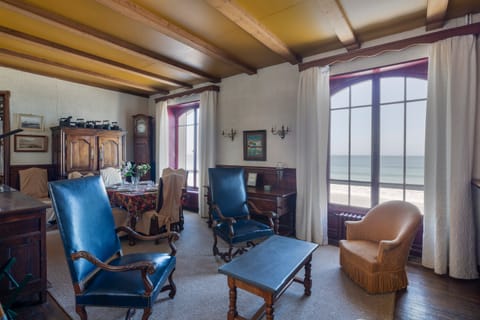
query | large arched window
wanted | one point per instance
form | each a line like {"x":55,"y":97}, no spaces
{"x":377,"y":136}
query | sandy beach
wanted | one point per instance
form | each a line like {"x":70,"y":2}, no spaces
{"x":360,"y":195}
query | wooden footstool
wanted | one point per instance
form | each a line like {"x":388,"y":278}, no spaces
{"x":267,"y":270}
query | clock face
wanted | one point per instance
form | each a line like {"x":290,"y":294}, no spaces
{"x":141,"y":126}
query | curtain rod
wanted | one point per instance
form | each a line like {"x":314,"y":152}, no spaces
{"x":188,"y":92}
{"x":393,"y":46}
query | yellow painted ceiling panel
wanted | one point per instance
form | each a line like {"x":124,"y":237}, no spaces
{"x":300,"y":24}
{"x":362,"y":14}
{"x":59,"y":73}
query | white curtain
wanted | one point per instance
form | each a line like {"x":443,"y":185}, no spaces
{"x":449,"y":229}
{"x":208,"y":105}
{"x":161,"y":134}
{"x":313,"y":103}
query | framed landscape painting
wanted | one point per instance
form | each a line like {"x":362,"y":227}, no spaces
{"x":28,"y":143}
{"x":255,"y":145}
{"x":30,"y":122}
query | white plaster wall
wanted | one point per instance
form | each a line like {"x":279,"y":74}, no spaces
{"x":54,"y":98}
{"x":258,"y":102}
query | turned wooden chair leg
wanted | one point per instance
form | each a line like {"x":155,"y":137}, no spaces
{"x":215,"y":249}
{"x":173,"y":288}
{"x":81,"y":312}
{"x":146,"y":313}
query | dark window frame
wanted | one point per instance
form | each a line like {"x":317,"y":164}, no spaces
{"x":411,"y":69}
{"x":174,"y":113}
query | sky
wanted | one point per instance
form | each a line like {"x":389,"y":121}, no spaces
{"x":393,"y":112}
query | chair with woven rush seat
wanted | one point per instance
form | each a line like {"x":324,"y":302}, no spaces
{"x":230,"y":211}
{"x":375,"y":253}
{"x":101,"y":274}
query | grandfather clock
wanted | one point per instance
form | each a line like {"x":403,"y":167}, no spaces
{"x":143,"y":143}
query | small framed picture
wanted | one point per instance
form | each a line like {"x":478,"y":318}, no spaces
{"x":252,"y":179}
{"x":29,"y":143}
{"x":30,"y":122}
{"x":255,"y":145}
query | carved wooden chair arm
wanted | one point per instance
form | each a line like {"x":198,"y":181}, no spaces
{"x":229,"y":220}
{"x":270,"y":215}
{"x":256,"y":210}
{"x":172,"y":236}
{"x":146,"y":267}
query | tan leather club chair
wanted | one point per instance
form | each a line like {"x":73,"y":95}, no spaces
{"x":169,"y":202}
{"x":375,"y":253}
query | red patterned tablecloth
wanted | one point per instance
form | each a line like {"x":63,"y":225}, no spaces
{"x":135,"y":202}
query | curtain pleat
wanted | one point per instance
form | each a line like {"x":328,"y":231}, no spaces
{"x":161,"y":133}
{"x":313,"y":103}
{"x":207,"y":142}
{"x":449,"y":241}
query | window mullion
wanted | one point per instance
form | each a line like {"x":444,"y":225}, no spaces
{"x":375,"y":191}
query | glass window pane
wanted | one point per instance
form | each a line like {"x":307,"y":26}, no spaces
{"x":361,"y":144}
{"x":190,"y":178}
{"x":360,"y":196}
{"x":189,"y":150}
{"x":387,"y":194}
{"x":362,"y":94}
{"x":190,"y":117}
{"x":182,"y":143}
{"x":339,"y":193}
{"x":415,"y":197}
{"x":392,"y":89}
{"x":391,"y":143}
{"x":340,"y":99}
{"x":416,"y":89}
{"x":339,"y":145}
{"x":415,"y":142}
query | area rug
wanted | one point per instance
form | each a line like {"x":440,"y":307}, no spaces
{"x":202,"y":293}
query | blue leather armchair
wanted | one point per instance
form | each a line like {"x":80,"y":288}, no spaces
{"x":101,"y":274}
{"x":230,"y":210}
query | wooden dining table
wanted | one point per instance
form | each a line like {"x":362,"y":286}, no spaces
{"x":136,"y":199}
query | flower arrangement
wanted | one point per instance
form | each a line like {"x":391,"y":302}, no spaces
{"x":131,"y":169}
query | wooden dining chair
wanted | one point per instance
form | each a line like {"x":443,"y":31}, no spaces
{"x":166,"y":215}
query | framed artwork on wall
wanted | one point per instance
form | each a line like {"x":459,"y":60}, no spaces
{"x":252,"y":179}
{"x":29,"y":143}
{"x":30,"y":122}
{"x":255,"y":145}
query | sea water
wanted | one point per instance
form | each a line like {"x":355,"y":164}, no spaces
{"x":392,"y":168}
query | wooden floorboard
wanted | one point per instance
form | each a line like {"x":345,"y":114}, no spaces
{"x":431,"y":296}
{"x":428,"y":296}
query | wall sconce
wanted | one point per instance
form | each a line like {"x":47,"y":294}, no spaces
{"x":281,"y":132}
{"x":230,"y":134}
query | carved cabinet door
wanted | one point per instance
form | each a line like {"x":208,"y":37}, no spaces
{"x":110,"y":153}
{"x":81,"y":153}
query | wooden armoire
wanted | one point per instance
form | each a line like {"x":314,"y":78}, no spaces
{"x":86,"y":150}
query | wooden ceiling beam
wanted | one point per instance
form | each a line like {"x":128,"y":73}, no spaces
{"x":189,"y":92}
{"x":398,"y":45}
{"x":98,"y":36}
{"x":436,"y":12}
{"x":23,"y":56}
{"x":248,"y":23}
{"x":134,"y":11}
{"x":75,"y":80}
{"x":36,"y":41}
{"x":337,"y":18}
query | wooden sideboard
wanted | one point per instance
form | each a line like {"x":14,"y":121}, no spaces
{"x":86,"y":150}
{"x":22,"y":236}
